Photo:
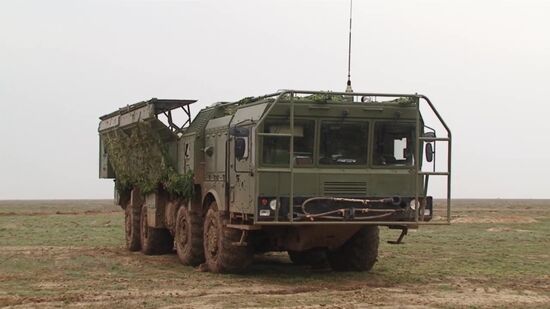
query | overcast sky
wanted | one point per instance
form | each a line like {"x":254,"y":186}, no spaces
{"x":485,"y":64}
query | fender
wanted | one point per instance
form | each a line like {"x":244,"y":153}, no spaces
{"x":211,"y":195}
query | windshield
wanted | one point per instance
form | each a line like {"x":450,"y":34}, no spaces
{"x":338,"y":143}
{"x":393,"y":144}
{"x":343,"y":143}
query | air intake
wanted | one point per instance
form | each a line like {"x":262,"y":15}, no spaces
{"x":345,"y":188}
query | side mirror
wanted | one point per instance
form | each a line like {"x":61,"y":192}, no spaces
{"x":366,"y":99}
{"x":239,"y":131}
{"x":209,"y":150}
{"x":240,"y":148}
{"x":429,"y":134}
{"x":429,"y":152}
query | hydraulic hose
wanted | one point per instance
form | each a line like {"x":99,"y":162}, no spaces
{"x":386,"y":212}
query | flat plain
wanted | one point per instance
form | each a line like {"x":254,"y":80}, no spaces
{"x":70,"y":253}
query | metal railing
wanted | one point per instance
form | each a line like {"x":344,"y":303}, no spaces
{"x":417,"y":169}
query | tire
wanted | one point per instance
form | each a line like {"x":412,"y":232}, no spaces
{"x":154,"y":241}
{"x":221,"y":255}
{"x":132,"y":227}
{"x":314,"y":257}
{"x":189,"y":237}
{"x":359,"y":253}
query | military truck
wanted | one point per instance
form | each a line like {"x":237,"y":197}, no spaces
{"x":308,"y":172}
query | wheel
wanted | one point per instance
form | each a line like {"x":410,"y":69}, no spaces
{"x":131,"y":226}
{"x":313,"y":257}
{"x":221,"y":254}
{"x":359,"y":253}
{"x":189,"y":241}
{"x":154,"y":241}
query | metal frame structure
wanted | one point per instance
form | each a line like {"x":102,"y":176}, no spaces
{"x":417,"y":169}
{"x":153,"y":107}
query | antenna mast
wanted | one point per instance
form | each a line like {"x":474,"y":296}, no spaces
{"x":348,"y":87}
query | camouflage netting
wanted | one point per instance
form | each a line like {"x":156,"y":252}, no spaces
{"x":328,"y":97}
{"x":318,"y":98}
{"x":140,"y":159}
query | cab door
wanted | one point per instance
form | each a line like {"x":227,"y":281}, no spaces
{"x":240,"y":170}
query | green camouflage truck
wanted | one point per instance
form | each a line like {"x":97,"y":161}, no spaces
{"x":307,"y":172}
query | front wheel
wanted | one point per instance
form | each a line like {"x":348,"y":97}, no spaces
{"x":220,"y":249}
{"x":359,"y":253}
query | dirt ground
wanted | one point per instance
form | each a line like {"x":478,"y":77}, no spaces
{"x":71,"y":254}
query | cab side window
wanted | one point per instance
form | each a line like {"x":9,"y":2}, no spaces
{"x":393,"y":144}
{"x":276,"y":149}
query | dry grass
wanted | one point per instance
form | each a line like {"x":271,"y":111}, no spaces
{"x":71,"y":253}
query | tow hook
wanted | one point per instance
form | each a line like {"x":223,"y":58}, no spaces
{"x":242,"y":242}
{"x":404,"y":231}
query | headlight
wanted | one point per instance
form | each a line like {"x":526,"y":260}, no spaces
{"x":273,"y":204}
{"x":412,"y":204}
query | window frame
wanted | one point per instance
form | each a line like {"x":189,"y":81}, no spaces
{"x":373,"y":141}
{"x":371,"y":127}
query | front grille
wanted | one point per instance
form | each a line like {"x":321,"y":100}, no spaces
{"x":345,"y":188}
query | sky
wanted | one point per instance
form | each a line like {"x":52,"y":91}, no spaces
{"x":63,"y":63}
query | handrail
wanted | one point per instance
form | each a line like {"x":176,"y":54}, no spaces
{"x":448,"y":139}
{"x":434,"y":139}
{"x":257,"y":156}
{"x":353,"y":94}
{"x":275,"y":134}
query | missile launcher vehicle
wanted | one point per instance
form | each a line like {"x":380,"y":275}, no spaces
{"x":311,"y":173}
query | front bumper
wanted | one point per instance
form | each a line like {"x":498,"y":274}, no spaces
{"x":342,"y":209}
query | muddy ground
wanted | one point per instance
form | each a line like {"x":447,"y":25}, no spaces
{"x":71,"y":254}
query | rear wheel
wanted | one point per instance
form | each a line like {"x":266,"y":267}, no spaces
{"x":154,"y":241}
{"x":221,"y":253}
{"x":189,"y":237}
{"x":132,"y":226}
{"x":359,"y":253}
